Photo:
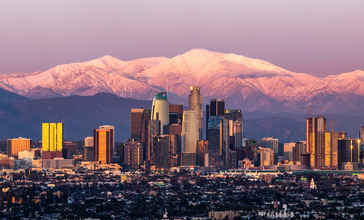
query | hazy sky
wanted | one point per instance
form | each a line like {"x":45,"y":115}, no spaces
{"x":319,"y":37}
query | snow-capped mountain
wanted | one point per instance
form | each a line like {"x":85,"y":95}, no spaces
{"x":245,"y":83}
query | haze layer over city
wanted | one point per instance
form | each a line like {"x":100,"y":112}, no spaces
{"x":181,"y":109}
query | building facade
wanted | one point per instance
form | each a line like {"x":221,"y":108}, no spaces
{"x":17,"y":145}
{"x":195,"y":103}
{"x":190,"y":135}
{"x":153,"y":130}
{"x":266,"y":156}
{"x":270,"y":142}
{"x":361,"y":134}
{"x":104,"y":145}
{"x":235,"y":118}
{"x":133,"y":154}
{"x":348,"y":151}
{"x":315,"y":139}
{"x":137,"y":115}
{"x":160,"y":109}
{"x":161,"y":144}
{"x":202,"y":153}
{"x":175,"y":114}
{"x":298,"y":151}
{"x":89,"y":141}
{"x":288,"y":150}
{"x":110,"y":127}
{"x":52,"y":136}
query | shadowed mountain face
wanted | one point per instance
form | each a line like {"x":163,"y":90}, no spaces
{"x":6,"y":96}
{"x":245,"y":83}
{"x":82,"y":114}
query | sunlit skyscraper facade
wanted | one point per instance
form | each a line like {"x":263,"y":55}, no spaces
{"x":315,"y":137}
{"x":189,"y":136}
{"x":195,"y":103}
{"x":104,"y":142}
{"x":17,"y":145}
{"x":52,"y":136}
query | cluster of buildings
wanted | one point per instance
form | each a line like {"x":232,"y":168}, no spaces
{"x":100,"y":193}
{"x":325,"y":149}
{"x":218,"y":173}
{"x":54,"y":152}
{"x":168,"y":136}
{"x":322,"y":149}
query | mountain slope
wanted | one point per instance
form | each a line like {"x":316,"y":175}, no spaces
{"x":6,"y":96}
{"x":81,"y":114}
{"x":249,"y":84}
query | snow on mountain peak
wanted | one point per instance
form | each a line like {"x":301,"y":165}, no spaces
{"x":355,"y":75}
{"x":219,"y":75}
{"x":106,"y":62}
{"x":235,"y":65}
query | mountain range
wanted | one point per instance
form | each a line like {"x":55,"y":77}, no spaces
{"x":86,"y":95}
{"x":245,"y":83}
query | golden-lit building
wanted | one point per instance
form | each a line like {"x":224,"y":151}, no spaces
{"x":315,"y":139}
{"x":52,"y":136}
{"x":104,"y":144}
{"x":17,"y":145}
{"x":328,"y":149}
{"x":266,"y":156}
{"x":331,"y":149}
{"x":202,"y":157}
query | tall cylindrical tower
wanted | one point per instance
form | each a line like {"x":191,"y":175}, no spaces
{"x":160,"y":109}
{"x":195,"y":103}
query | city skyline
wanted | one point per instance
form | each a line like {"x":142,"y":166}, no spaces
{"x":187,"y":109}
{"x":173,"y":149}
{"x":319,"y":38}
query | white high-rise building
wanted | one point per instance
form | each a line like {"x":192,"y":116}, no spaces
{"x":270,"y":142}
{"x":160,"y":109}
{"x":266,"y":156}
{"x":195,"y":103}
{"x":235,"y":118}
{"x":189,"y":136}
{"x":288,"y":150}
{"x":89,"y":141}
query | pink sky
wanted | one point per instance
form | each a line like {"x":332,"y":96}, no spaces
{"x":319,"y":37}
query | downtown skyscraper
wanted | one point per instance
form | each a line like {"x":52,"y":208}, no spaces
{"x":160,"y":109}
{"x":348,"y":152}
{"x":195,"y":103}
{"x":138,"y":118}
{"x":104,"y":144}
{"x":235,"y":118}
{"x":52,"y":136}
{"x":315,"y":139}
{"x":189,"y":135}
{"x":270,"y":142}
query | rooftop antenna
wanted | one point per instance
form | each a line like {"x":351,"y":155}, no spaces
{"x":333,"y":124}
{"x":310,"y":108}
{"x":167,"y":87}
